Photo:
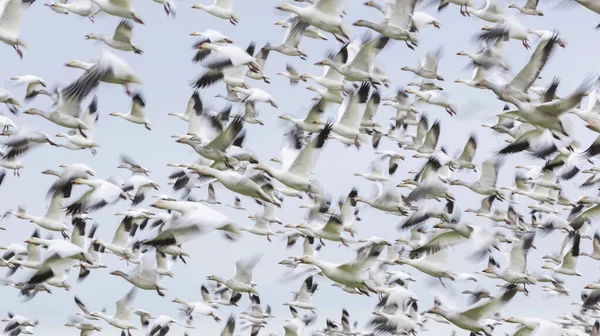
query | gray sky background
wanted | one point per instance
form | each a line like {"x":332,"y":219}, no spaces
{"x":166,"y":70}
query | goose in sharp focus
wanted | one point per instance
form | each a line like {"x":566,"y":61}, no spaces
{"x":222,"y":9}
{"x":147,"y":276}
{"x":428,"y":67}
{"x":529,"y":8}
{"x":121,"y":40}
{"x":242,"y":280}
{"x":137,"y":114}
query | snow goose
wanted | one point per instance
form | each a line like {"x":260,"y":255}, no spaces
{"x":428,"y":67}
{"x":291,"y":40}
{"x":242,"y":279}
{"x":311,"y":123}
{"x":310,"y":32}
{"x":34,"y":85}
{"x":80,"y":7}
{"x":478,"y":76}
{"x":491,"y":12}
{"x":291,"y":74}
{"x":10,"y":23}
{"x":246,"y":184}
{"x":486,"y":182}
{"x":23,"y":140}
{"x":260,"y":228}
{"x":212,"y":36}
{"x":348,"y":274}
{"x":569,"y":257}
{"x":547,"y":114}
{"x":434,"y":98}
{"x":11,"y":102}
{"x":86,"y":328}
{"x":398,"y":22}
{"x":131,"y":165}
{"x":361,"y":67}
{"x":471,"y":319}
{"x":332,"y":230}
{"x":256,"y":95}
{"x":190,"y":110}
{"x":118,"y":245}
{"x":350,"y":115}
{"x":209,"y":139}
{"x":85,"y":139}
{"x":109,"y":69}
{"x":297,"y":169}
{"x":119,"y":8}
{"x":302,"y":299}
{"x":70,"y":172}
{"x":385,"y":199}
{"x":121,"y":40}
{"x":196,"y":220}
{"x":6,"y":123}
{"x":137,"y":114}
{"x":231,"y":56}
{"x":222,"y":9}
{"x":33,"y":259}
{"x":375,"y":173}
{"x":14,"y":323}
{"x":323,"y":14}
{"x":147,"y":276}
{"x":511,"y":27}
{"x":101,"y":193}
{"x":53,"y":220}
{"x":430,"y":264}
{"x":331,"y":79}
{"x":59,"y":256}
{"x":595,"y":248}
{"x":546,"y":35}
{"x":123,"y":313}
{"x":261,"y":59}
{"x":233,"y":76}
{"x":140,"y":184}
{"x":58,"y":9}
{"x":529,"y":8}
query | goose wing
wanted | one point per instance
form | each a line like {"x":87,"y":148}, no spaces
{"x":401,"y":13}
{"x":308,"y":156}
{"x":470,"y":148}
{"x":226,"y":138}
{"x":365,"y":59}
{"x":124,"y":310}
{"x":531,"y":71}
{"x":124,"y":31}
{"x":353,"y":114}
{"x":333,"y":8}
{"x":482,"y":310}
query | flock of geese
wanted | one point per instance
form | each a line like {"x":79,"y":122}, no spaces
{"x":156,"y":230}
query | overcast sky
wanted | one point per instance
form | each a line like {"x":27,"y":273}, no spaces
{"x":166,"y":71}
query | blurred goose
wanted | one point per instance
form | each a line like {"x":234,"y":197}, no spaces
{"x":529,"y":8}
{"x":326,"y":16}
{"x":119,"y":8}
{"x":123,"y":313}
{"x":10,"y":24}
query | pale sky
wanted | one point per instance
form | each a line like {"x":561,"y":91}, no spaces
{"x":166,"y":71}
